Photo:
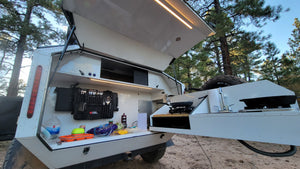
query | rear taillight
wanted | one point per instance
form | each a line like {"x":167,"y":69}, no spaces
{"x":34,"y":92}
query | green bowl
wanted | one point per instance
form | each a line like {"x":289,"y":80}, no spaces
{"x":78,"y":131}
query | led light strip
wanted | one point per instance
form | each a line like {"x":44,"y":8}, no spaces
{"x":121,"y":84}
{"x":178,"y":10}
{"x":174,"y":14}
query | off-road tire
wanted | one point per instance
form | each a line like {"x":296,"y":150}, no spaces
{"x":154,"y":156}
{"x":222,"y":81}
{"x":18,"y":157}
{"x":9,"y":112}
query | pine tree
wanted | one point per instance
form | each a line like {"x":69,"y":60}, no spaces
{"x":294,"y":43}
{"x":290,"y":61}
{"x":7,"y":46}
{"x":184,"y":69}
{"x":245,"y":54}
{"x":284,"y":70}
{"x":194,"y":67}
{"x":27,"y":22}
{"x":270,"y":68}
{"x":228,"y":16}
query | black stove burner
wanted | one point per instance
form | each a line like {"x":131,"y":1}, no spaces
{"x":181,"y":107}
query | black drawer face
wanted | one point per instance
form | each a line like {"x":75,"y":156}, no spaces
{"x":181,"y":122}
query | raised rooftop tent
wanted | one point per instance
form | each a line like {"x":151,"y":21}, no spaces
{"x":145,"y":32}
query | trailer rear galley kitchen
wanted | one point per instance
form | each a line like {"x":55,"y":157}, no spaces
{"x":117,"y":68}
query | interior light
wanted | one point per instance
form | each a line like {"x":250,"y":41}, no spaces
{"x":174,"y":14}
{"x":120,"y":84}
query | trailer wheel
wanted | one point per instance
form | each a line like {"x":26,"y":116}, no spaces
{"x":18,"y":156}
{"x":222,"y":81}
{"x":154,"y":156}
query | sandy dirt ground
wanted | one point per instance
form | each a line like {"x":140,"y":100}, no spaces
{"x":195,"y":152}
{"x":3,"y":147}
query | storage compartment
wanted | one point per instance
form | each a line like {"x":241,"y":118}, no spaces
{"x":94,"y":104}
{"x":140,"y":77}
{"x":79,"y":101}
{"x":180,"y":121}
{"x":121,"y":72}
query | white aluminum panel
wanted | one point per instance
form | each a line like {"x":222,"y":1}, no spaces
{"x":107,"y":42}
{"x":271,"y":125}
{"x":146,"y":23}
{"x":70,"y":156}
{"x":80,"y":65}
{"x":28,"y":127}
{"x":71,"y":153}
{"x":158,"y":81}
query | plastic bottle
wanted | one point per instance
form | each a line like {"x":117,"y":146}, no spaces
{"x":124,"y":120}
{"x":52,"y":126}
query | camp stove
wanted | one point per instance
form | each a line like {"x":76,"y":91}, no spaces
{"x":181,"y":107}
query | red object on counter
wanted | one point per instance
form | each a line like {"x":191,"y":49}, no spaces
{"x":76,"y":137}
{"x":124,"y":120}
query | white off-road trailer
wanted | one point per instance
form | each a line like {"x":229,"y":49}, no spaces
{"x":116,"y":68}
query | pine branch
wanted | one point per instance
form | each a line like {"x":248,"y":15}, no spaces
{"x":232,"y":34}
{"x":207,"y":7}
{"x":9,"y":6}
{"x":205,"y":13}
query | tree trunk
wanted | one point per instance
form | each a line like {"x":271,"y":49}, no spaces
{"x":247,"y":64}
{"x":189,"y":78}
{"x":218,"y":59}
{"x":14,"y":80}
{"x":224,"y":45}
{"x":276,"y":74}
{"x":2,"y":59}
{"x":225,"y":56}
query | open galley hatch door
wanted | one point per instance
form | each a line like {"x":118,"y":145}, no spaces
{"x":259,"y":111}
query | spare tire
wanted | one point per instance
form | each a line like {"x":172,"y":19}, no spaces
{"x":154,"y":155}
{"x":9,"y":112}
{"x":17,"y":156}
{"x":222,"y":81}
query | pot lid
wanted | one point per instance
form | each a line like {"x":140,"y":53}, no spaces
{"x":146,"y":32}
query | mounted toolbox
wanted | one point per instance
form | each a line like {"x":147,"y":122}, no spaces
{"x":94,"y":104}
